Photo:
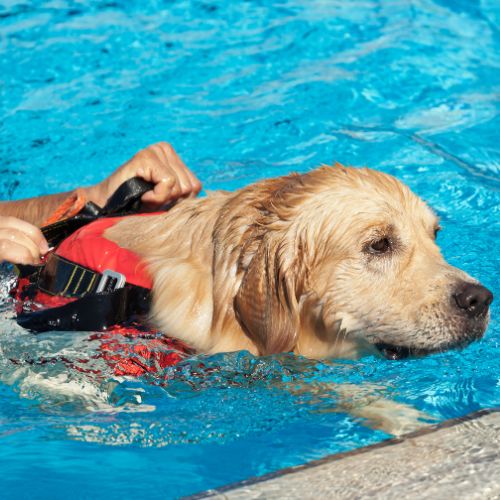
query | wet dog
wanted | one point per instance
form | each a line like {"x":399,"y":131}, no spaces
{"x":337,"y":262}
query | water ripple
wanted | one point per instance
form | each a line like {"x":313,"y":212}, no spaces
{"x":244,"y":90}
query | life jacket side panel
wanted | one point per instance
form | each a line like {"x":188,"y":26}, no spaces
{"x":144,"y":355}
{"x":89,"y":248}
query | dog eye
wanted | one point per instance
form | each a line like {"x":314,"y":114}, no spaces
{"x":380,"y":246}
{"x":436,"y":231}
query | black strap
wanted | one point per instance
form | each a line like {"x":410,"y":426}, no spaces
{"x":94,"y":312}
{"x":68,"y":279}
{"x":127,"y":198}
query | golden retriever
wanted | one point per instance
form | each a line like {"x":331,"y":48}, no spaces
{"x":337,"y":262}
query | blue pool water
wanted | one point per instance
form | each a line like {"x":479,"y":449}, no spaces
{"x":244,"y":90}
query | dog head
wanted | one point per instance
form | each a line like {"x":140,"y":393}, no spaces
{"x":343,"y":261}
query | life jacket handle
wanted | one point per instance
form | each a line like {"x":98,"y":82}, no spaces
{"x":126,"y":200}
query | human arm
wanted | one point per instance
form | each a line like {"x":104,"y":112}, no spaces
{"x":158,"y":164}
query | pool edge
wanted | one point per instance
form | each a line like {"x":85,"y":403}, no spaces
{"x":334,"y":457}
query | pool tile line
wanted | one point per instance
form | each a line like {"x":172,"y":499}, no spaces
{"x":436,"y":149}
{"x":433,"y":148}
{"x":345,"y":454}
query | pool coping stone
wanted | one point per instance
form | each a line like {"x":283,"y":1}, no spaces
{"x":272,"y":485}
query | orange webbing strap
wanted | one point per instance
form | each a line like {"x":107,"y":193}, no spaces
{"x":68,"y":208}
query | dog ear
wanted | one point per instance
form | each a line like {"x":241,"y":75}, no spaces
{"x":266,"y":304}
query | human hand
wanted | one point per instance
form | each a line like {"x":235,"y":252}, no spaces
{"x":20,"y":242}
{"x":158,"y":164}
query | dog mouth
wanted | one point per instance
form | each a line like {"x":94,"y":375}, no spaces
{"x":398,"y":352}
{"x":394,"y":352}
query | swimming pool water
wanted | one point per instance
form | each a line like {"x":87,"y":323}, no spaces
{"x":243,"y":90}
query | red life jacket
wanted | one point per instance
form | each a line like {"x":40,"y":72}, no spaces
{"x":64,"y":294}
{"x":88,"y":248}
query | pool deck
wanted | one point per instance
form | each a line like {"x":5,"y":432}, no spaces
{"x":458,"y":458}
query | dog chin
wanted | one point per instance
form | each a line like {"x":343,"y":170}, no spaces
{"x":466,"y":333}
{"x":398,"y":352}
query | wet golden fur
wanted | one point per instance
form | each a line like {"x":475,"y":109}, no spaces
{"x":283,"y":265}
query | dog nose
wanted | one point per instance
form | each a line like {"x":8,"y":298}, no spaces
{"x":473,"y":299}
